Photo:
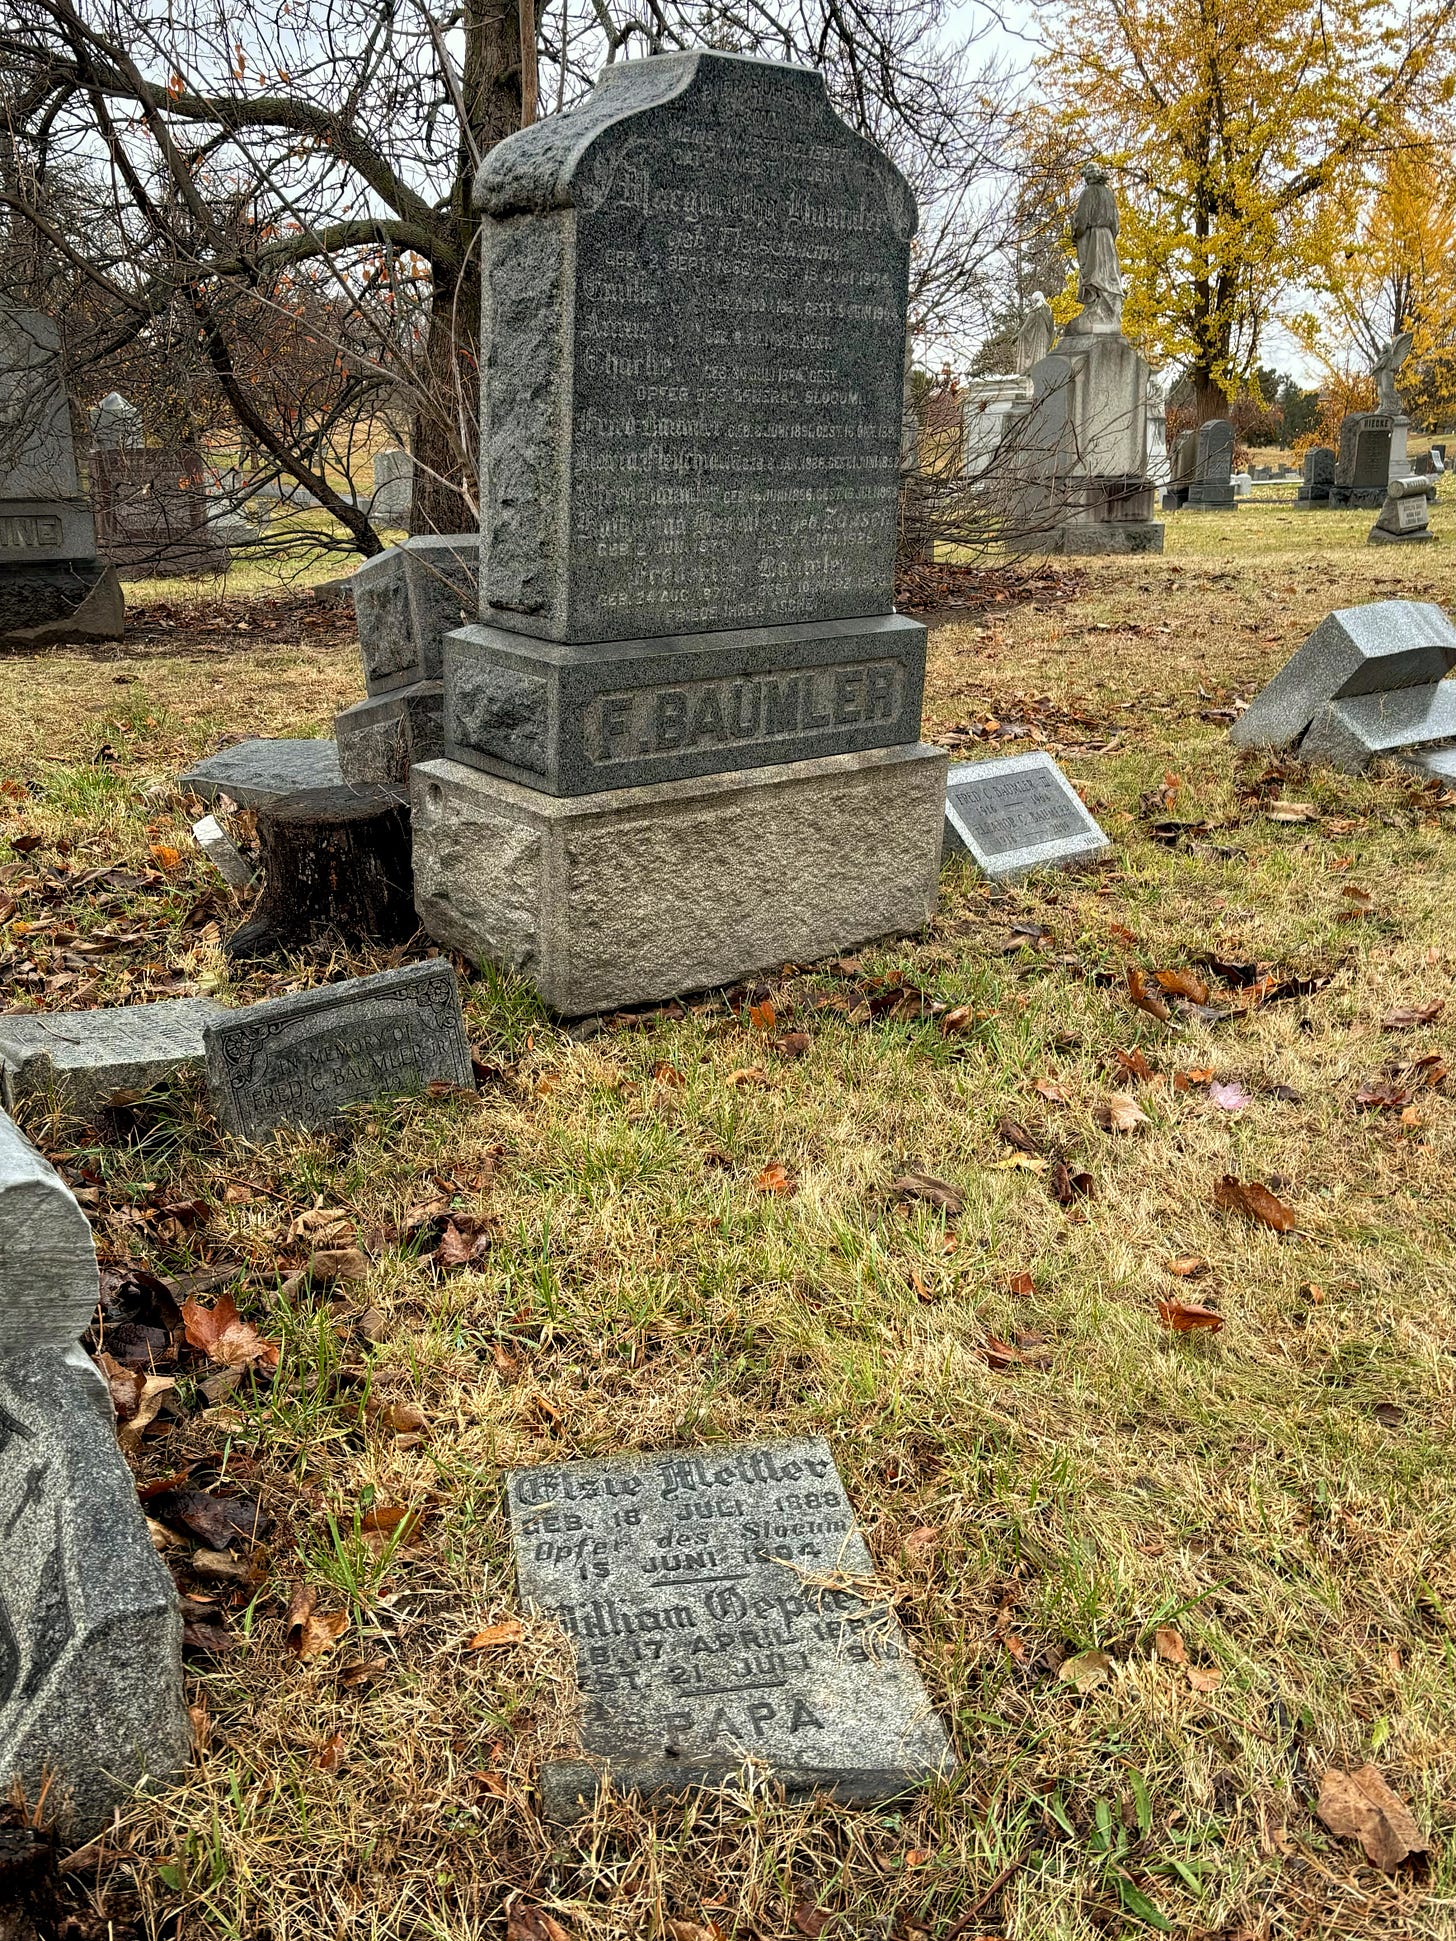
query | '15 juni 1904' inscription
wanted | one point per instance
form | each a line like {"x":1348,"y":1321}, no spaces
{"x":716,"y":1605}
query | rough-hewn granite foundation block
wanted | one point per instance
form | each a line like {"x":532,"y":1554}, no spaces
{"x":406,"y":599}
{"x":48,"y":604}
{"x":636,"y":894}
{"x":574,"y":720}
{"x":381,"y":738}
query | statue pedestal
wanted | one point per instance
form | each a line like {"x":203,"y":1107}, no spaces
{"x":1085,"y":447}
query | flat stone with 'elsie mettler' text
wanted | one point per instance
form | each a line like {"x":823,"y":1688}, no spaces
{"x":722,"y":1610}
{"x":573,"y":720}
{"x":297,"y":1060}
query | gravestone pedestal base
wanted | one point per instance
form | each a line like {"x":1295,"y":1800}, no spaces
{"x":1090,"y":539}
{"x":47,"y":605}
{"x":630,"y":895}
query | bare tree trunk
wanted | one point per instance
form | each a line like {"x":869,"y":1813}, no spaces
{"x":498,"y":87}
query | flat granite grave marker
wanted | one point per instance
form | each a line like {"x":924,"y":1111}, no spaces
{"x":721,"y":1608}
{"x":1018,"y":813}
{"x":298,"y":1060}
{"x":89,"y":1058}
{"x":91,"y":1699}
{"x":1373,"y":649}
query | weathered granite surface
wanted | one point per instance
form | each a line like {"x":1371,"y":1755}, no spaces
{"x":1017,"y":813}
{"x":406,"y":599}
{"x":298,"y":1060}
{"x":1370,"y":649}
{"x":1363,"y":463}
{"x":88,"y":1057}
{"x":276,"y":776}
{"x":91,"y":1697}
{"x":1349,"y":734}
{"x":1211,"y":489}
{"x":48,"y":1280}
{"x":695,"y":319}
{"x":720,"y":1606}
{"x":1440,"y":763}
{"x":574,"y":720}
{"x":634,"y":894}
{"x":380,"y":738}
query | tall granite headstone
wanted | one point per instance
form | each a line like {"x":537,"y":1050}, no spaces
{"x":91,"y":1697}
{"x":1319,"y":477}
{"x":721,"y":1606}
{"x":1363,"y":466}
{"x":52,"y":585}
{"x":1212,"y":489}
{"x":683,"y":738}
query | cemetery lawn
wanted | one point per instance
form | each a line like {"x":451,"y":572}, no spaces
{"x":1161,"y":1569}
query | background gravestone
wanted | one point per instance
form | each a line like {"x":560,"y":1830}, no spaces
{"x":691,"y":425}
{"x":706,"y":1593}
{"x":1319,"y":477}
{"x":1212,"y":488}
{"x":1362,"y":467}
{"x":297,"y":1060}
{"x":52,"y":585}
{"x":152,"y":511}
{"x":91,"y":1696}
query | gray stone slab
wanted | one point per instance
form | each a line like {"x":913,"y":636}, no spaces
{"x":48,"y":1277}
{"x":1438,"y":762}
{"x":406,"y":599}
{"x":1370,"y":649}
{"x":222,"y":852}
{"x":1362,"y":464}
{"x":636,"y":894}
{"x":1349,"y":734}
{"x":91,"y":1699}
{"x":1211,"y":489}
{"x":35,"y":531}
{"x":574,"y":720}
{"x":256,"y":774}
{"x":88,"y":1057}
{"x":695,"y":307}
{"x":722,"y":1610}
{"x":37,"y":439}
{"x":1017,"y":813}
{"x":298,"y":1060}
{"x":381,"y":738}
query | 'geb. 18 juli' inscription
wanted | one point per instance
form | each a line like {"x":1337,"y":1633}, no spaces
{"x":721,"y":1606}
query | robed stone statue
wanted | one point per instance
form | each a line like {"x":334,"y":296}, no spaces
{"x":1099,"y":275}
{"x":1384,"y":369}
{"x":1038,"y":328}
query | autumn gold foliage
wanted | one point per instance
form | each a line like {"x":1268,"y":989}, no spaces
{"x":1230,"y":125}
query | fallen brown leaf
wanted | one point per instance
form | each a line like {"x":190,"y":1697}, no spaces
{"x":1183,"y":983}
{"x":1407,"y":1017}
{"x":748,"y":1075}
{"x":1022,"y":1285}
{"x":793,"y":1044}
{"x":223,"y":1336}
{"x":534,"y":1924}
{"x":925,"y":1187}
{"x":775,"y":1178}
{"x":1120,"y":1112}
{"x":309,"y":1633}
{"x":1360,"y":1806}
{"x":1204,"y":1678}
{"x":1188,"y":1267}
{"x":1069,"y":1185}
{"x":1143,"y":998}
{"x":1169,"y":1645}
{"x":329,"y":1264}
{"x":1134,"y":1064}
{"x":1015,"y":1134}
{"x":1050,"y":1091}
{"x":508,"y":1631}
{"x":1183,"y":1317}
{"x":1087,"y":1669}
{"x":405,"y":1418}
{"x":466,"y":1240}
{"x":959,"y":1018}
{"x":1255,"y":1202}
{"x":809,"y":1919}
{"x":331,"y":1754}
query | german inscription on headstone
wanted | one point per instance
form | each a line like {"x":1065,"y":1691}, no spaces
{"x":722,"y":1610}
{"x":713,"y":324}
{"x":298,"y":1060}
{"x":1018,"y":813}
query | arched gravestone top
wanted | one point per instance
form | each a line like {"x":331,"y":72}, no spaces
{"x":695,"y":290}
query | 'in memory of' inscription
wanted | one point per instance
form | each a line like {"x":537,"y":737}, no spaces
{"x":718,"y":714}
{"x":707,"y":1597}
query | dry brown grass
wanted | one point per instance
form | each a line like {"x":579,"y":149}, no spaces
{"x":1282,"y":1492}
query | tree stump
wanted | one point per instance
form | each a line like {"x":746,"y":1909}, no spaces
{"x":335,"y":856}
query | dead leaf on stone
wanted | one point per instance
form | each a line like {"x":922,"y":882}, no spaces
{"x":931,"y":1191}
{"x":1360,"y":1806}
{"x":1169,"y":1645}
{"x":223,"y":1336}
{"x":309,"y":1632}
{"x":1120,"y":1112}
{"x":1184,"y":1317}
{"x":1086,"y":1670}
{"x":1255,"y":1202}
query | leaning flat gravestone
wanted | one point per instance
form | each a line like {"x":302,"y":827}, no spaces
{"x":89,"y":1059}
{"x":298,"y":1060}
{"x":722,"y":1609}
{"x":1019,"y":813}
{"x":91,"y":1699}
{"x":1356,"y":650}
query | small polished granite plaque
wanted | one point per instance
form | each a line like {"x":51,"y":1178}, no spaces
{"x":1016,"y":814}
{"x":723,"y":1610}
